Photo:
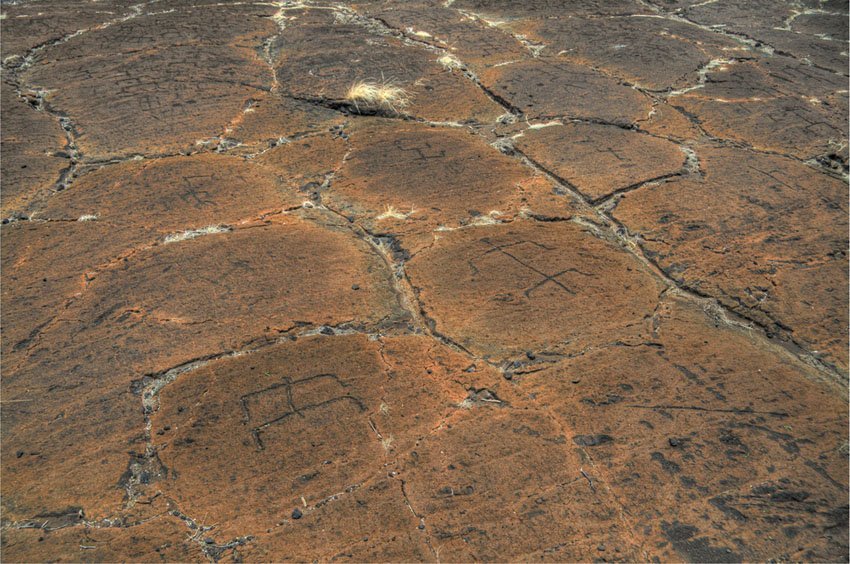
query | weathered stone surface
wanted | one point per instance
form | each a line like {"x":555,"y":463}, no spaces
{"x":307,"y":165}
{"x":829,"y":25}
{"x":543,"y":89}
{"x":572,"y":286}
{"x":752,"y":102}
{"x":68,"y":441}
{"x":305,"y":425}
{"x":548,"y":287}
{"x":412,"y":178}
{"x":652,"y":53}
{"x":159,"y":82}
{"x":762,"y":14}
{"x":162,"y":308}
{"x":600,"y":159}
{"x":268,"y":120}
{"x":258,"y":290}
{"x":784,"y":27}
{"x":44,"y":266}
{"x":174,"y":194}
{"x":324,"y":55}
{"x":161,"y":539}
{"x":35,"y":26}
{"x":505,"y":483}
{"x":744,"y":234}
{"x":665,"y":120}
{"x":370,"y":523}
{"x":548,"y":8}
{"x":114,"y":212}
{"x":32,"y":150}
{"x":470,"y":40}
{"x":719,"y":450}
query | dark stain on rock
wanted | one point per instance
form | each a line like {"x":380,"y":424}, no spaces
{"x":666,"y":464}
{"x":681,"y":536}
{"x":592,"y":440}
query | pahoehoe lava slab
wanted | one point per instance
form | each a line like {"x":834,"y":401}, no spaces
{"x":419,"y":280}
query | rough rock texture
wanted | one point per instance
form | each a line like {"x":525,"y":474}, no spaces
{"x":758,"y":251}
{"x":34,"y":159}
{"x":599,"y":160}
{"x":578,"y":293}
{"x":160,"y":83}
{"x":750,"y":103}
{"x":546,"y":89}
{"x":656,"y":55}
{"x":546,"y":286}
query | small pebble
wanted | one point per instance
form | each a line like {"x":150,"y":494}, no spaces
{"x":296,"y":513}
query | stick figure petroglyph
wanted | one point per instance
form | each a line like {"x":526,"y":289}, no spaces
{"x":285,"y":386}
{"x":546,"y":278}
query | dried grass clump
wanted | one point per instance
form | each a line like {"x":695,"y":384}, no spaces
{"x":378,"y":95}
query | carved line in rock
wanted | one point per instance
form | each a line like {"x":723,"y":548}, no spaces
{"x":285,"y":386}
{"x":546,"y":278}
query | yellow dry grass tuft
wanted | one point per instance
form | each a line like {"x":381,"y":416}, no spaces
{"x":378,"y":95}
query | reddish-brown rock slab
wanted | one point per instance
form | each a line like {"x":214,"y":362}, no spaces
{"x":777,"y":107}
{"x":404,"y":178}
{"x":67,"y":442}
{"x":811,"y":49}
{"x":308,"y":164}
{"x":832,"y":25}
{"x":718,"y":446}
{"x":165,"y":539}
{"x":161,"y":308}
{"x":268,"y":120}
{"x":221,"y":291}
{"x":651,"y":52}
{"x":542,"y":89}
{"x":125,"y":208}
{"x":511,"y":9}
{"x":44,"y":266}
{"x":27,"y":26}
{"x":159,"y":82}
{"x":509,"y":289}
{"x":306,"y":425}
{"x":600,"y":159}
{"x":322,"y":55}
{"x":784,"y":27}
{"x":669,"y":122}
{"x":765,"y":235}
{"x":371,"y":523}
{"x":174,"y":194}
{"x":505,"y":483}
{"x":469,"y":40}
{"x":761,"y":15}
{"x":32,"y":150}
